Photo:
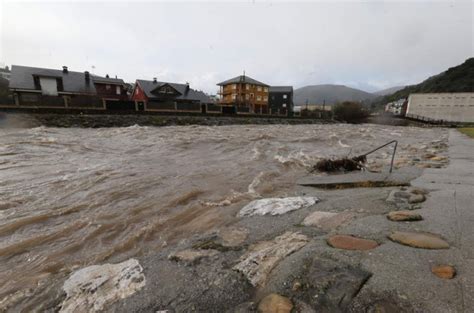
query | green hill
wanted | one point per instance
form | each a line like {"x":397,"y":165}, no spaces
{"x":456,"y":79}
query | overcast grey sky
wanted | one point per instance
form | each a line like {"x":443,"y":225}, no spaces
{"x":371,"y":45}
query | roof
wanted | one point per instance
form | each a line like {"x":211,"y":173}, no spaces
{"x":107,"y":80}
{"x":280,"y":89}
{"x":22,"y":78}
{"x":185,"y":94}
{"x":242,"y":79}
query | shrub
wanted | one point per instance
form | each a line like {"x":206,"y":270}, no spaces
{"x":350,"y":111}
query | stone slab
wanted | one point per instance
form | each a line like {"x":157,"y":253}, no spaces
{"x":400,"y":177}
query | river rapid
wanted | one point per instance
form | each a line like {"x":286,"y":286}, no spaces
{"x":72,"y":197}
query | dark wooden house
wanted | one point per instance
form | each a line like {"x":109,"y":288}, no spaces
{"x":110,"y":88}
{"x":281,"y":100}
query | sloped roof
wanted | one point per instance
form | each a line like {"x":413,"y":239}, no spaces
{"x":242,"y":79}
{"x":22,"y":78}
{"x":280,"y":89}
{"x":185,"y":93}
{"x":107,"y":80}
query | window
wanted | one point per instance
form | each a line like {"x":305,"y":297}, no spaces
{"x":284,"y":105}
{"x":265,"y":98}
{"x":251,"y":96}
{"x":259,"y":88}
{"x":247,"y":86}
{"x":259,"y":98}
{"x":117,"y":90}
{"x":265,"y":89}
{"x":234,"y":86}
{"x":49,"y":86}
{"x":285,"y":96}
{"x":234,"y":96}
{"x":107,"y":87}
{"x":247,"y":96}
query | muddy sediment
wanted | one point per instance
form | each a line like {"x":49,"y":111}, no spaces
{"x":74,"y":197}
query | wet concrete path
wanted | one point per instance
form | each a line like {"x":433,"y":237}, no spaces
{"x":449,"y":212}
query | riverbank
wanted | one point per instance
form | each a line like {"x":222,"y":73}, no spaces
{"x":126,"y":120}
{"x":142,"y":219}
{"x":341,"y":254}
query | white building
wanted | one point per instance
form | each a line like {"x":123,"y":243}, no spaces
{"x":436,"y":107}
{"x":5,"y":72}
{"x":396,"y":107}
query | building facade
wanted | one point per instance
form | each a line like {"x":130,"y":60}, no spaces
{"x":280,"y":100}
{"x":152,"y":95}
{"x":442,"y":107}
{"x":34,"y":87}
{"x":49,"y":88}
{"x":243,"y":94}
{"x":111,"y":89}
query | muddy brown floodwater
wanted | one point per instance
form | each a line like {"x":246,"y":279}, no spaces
{"x":75,"y":197}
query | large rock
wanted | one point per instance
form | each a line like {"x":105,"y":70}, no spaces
{"x":92,"y":288}
{"x":348,"y":242}
{"x":317,"y":218}
{"x":262,"y":257}
{"x":276,"y":206}
{"x":404,"y":216}
{"x":274,"y":303}
{"x":327,"y":220}
{"x":416,"y":198}
{"x":329,"y":285}
{"x":419,"y":240}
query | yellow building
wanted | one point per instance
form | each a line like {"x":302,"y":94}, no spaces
{"x":244,"y":94}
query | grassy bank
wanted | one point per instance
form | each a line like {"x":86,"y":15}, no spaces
{"x":467,"y":131}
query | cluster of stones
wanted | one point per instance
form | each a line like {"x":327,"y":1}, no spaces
{"x":111,"y":282}
{"x":422,"y":240}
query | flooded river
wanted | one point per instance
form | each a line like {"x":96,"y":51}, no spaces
{"x":75,"y":197}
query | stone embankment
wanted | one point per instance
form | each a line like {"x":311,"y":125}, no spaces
{"x":126,"y":120}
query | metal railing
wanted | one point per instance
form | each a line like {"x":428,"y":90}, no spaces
{"x":378,"y":148}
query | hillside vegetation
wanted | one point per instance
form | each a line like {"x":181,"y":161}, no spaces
{"x":456,"y":79}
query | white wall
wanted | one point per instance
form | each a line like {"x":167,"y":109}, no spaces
{"x":49,"y":86}
{"x":450,"y":107}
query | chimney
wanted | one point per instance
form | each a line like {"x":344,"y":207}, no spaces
{"x":107,"y":76}
{"x":154,"y":80}
{"x":187,"y":86}
{"x":88,"y":78}
{"x":65,"y":70}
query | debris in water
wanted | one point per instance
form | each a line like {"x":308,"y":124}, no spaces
{"x":345,"y":164}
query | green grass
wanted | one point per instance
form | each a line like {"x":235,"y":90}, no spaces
{"x":468,"y":131}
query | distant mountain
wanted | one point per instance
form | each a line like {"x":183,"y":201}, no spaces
{"x":317,"y":94}
{"x":456,"y":79}
{"x":388,"y":91}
